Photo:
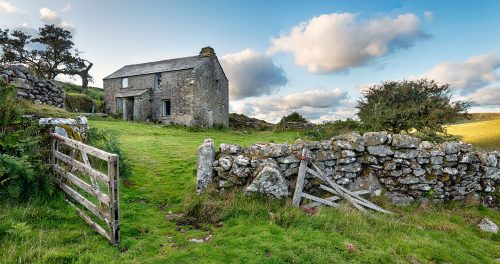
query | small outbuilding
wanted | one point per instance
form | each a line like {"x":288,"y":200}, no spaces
{"x":191,"y":91}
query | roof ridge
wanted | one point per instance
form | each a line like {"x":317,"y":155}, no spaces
{"x":158,"y":66}
{"x":143,"y":63}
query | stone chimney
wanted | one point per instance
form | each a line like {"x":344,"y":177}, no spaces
{"x":207,"y":52}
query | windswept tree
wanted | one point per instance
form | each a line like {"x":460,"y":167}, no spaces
{"x":49,"y":54}
{"x":398,"y":106}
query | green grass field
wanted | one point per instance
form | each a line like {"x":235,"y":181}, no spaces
{"x":253,"y":229}
{"x":483,"y":131}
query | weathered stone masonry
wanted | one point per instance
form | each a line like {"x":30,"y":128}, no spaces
{"x":195,"y":87}
{"x":31,"y":87}
{"x":405,"y":167}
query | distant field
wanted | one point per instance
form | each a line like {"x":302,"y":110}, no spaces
{"x":483,"y":131}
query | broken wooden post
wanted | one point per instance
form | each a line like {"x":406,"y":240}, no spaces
{"x":297,"y":195}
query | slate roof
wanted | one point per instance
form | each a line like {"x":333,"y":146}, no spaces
{"x":158,"y":66}
{"x":132,"y":93}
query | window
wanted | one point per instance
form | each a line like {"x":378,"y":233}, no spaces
{"x":124,"y":82}
{"x":166,"y":108}
{"x":157,"y":83}
{"x":119,"y":105}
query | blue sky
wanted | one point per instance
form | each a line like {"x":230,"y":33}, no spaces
{"x":314,"y":57}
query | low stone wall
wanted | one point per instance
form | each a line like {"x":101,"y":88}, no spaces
{"x":403,"y":167}
{"x":31,"y":87}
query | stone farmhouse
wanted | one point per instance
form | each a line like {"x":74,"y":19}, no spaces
{"x":191,"y":91}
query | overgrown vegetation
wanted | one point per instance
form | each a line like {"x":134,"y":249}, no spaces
{"x":23,"y":145}
{"x":403,"y":106}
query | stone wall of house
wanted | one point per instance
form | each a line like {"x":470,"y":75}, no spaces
{"x":402,"y":167}
{"x":198,"y":96}
{"x":211,"y":94}
{"x":32,"y":87}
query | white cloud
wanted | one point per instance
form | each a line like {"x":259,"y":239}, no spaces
{"x":252,"y":74}
{"x":9,"y":8}
{"x":486,"y":96}
{"x":315,"y":105}
{"x":469,"y":75}
{"x":336,"y":42}
{"x":49,"y":16}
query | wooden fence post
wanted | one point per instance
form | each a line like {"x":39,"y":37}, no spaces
{"x":114,"y":176}
{"x":297,"y":195}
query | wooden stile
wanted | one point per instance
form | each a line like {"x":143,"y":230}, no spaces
{"x":67,"y":170}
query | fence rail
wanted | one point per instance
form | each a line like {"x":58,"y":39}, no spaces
{"x":68,"y":170}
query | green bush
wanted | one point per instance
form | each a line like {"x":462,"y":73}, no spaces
{"x":294,"y":117}
{"x":293,"y":122}
{"x":76,"y":102}
{"x":23,"y":173}
{"x":403,"y":106}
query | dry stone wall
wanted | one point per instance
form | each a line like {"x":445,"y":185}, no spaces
{"x":32,"y":87}
{"x":403,"y":167}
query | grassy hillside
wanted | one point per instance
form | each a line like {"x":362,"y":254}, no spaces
{"x":94,"y":92}
{"x":252,"y":229}
{"x":483,"y":134}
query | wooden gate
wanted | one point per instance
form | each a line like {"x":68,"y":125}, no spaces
{"x":76,"y":171}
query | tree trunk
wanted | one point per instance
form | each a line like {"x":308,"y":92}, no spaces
{"x":84,"y":74}
{"x":85,"y":84}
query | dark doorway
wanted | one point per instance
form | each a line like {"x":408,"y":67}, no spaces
{"x":128,"y":112}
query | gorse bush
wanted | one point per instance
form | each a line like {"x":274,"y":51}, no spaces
{"x":23,"y":173}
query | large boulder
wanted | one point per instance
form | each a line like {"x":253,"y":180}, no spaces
{"x":269,"y":181}
{"x":206,"y":157}
{"x":488,"y":226}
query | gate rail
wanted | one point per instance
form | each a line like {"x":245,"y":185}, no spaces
{"x":68,"y":168}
